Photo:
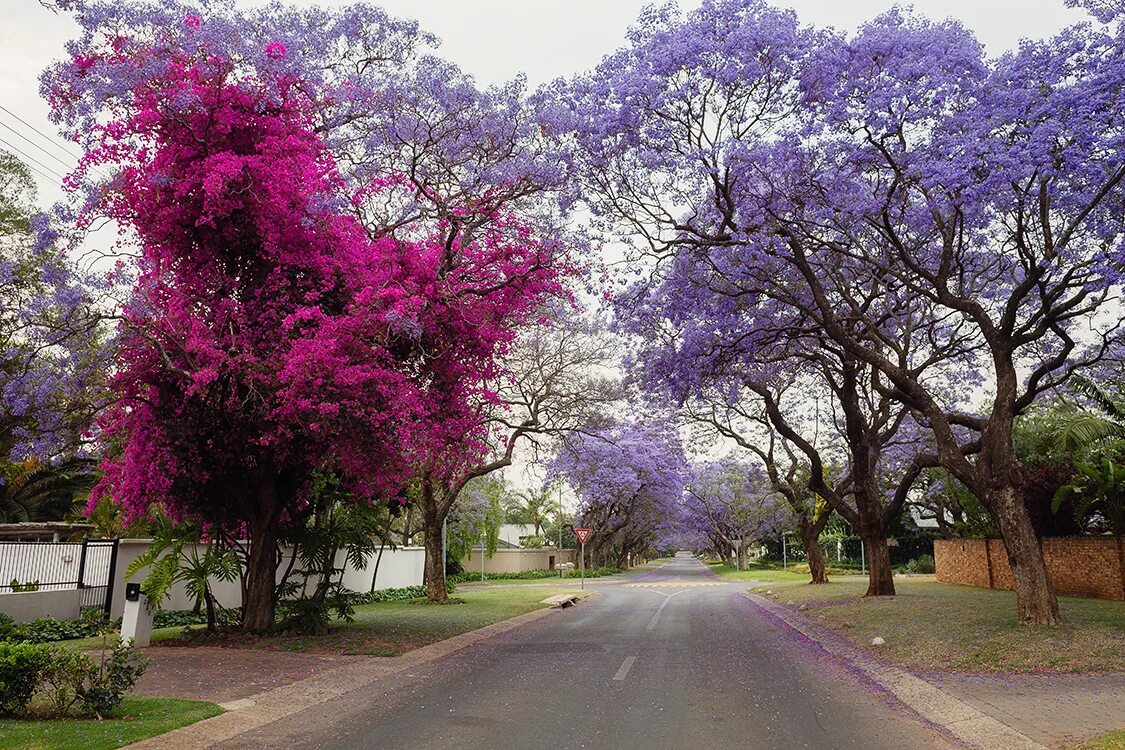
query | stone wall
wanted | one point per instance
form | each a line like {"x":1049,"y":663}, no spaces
{"x":1077,"y":566}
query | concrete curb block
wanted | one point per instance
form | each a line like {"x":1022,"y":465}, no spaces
{"x":264,"y":708}
{"x":968,"y":724}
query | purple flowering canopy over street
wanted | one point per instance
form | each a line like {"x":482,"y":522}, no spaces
{"x":928,"y":210}
{"x":629,"y":479}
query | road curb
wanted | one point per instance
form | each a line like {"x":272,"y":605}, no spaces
{"x":267,"y":707}
{"x":967,"y":723}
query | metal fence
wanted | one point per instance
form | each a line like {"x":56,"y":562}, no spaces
{"x":89,"y":565}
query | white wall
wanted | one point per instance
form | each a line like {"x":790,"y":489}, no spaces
{"x":517,"y":560}
{"x":398,"y":568}
{"x":31,"y":605}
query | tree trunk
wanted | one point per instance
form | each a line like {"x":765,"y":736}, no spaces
{"x":435,"y":562}
{"x":260,"y":597}
{"x":880,"y":577}
{"x":379,"y":559}
{"x":1036,"y":603}
{"x":212,"y":618}
{"x":742,"y":555}
{"x":818,"y":566}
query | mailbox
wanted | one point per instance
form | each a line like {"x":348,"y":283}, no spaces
{"x":132,"y":592}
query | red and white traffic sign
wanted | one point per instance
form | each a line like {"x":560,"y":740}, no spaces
{"x":583,"y":534}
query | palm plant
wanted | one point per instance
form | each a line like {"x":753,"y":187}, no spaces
{"x":531,"y":507}
{"x":34,"y":491}
{"x":183,"y":553}
{"x":1100,"y":418}
{"x":1099,"y":493}
{"x":1093,"y":433}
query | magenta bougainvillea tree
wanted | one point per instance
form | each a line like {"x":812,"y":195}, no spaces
{"x":272,"y":330}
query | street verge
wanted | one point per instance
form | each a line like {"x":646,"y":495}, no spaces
{"x":965,"y":722}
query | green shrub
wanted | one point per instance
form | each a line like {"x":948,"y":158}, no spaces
{"x":593,"y":572}
{"x":48,"y":630}
{"x":21,"y":669}
{"x":105,"y":687}
{"x":7,"y":627}
{"x":24,"y":587}
{"x":526,"y":575}
{"x":921,"y":564}
{"x":402,"y":594}
{"x":62,"y":679}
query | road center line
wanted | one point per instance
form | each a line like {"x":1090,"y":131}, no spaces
{"x":624,"y":668}
{"x":663,"y":604}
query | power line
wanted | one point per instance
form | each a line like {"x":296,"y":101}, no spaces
{"x":53,"y":140}
{"x":41,"y":173}
{"x":31,"y":158}
{"x":36,"y":145}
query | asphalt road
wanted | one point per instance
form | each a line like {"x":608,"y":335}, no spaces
{"x":674,"y":659}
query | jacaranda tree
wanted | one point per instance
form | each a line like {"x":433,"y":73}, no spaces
{"x":895,"y":191}
{"x":629,"y":480}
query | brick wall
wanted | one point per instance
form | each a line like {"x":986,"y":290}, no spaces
{"x":1078,"y":566}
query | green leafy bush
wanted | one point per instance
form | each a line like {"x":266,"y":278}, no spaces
{"x":593,"y":572}
{"x":186,"y":617}
{"x":525,"y":575}
{"x":7,"y":627}
{"x":104,"y":688}
{"x":26,"y":586}
{"x":48,"y":630}
{"x":21,"y":669}
{"x":63,"y":677}
{"x":921,"y":564}
{"x":401,"y":594}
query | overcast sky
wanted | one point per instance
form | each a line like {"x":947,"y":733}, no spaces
{"x":492,"y":39}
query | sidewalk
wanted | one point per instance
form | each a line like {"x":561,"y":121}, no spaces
{"x":1055,"y":710}
{"x":224,"y":675}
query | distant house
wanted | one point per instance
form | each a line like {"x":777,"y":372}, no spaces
{"x":514,"y":534}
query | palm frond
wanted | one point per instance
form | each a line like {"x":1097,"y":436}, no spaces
{"x":1082,"y":429}
{"x":1111,"y":404}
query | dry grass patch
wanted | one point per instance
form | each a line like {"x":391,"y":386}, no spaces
{"x":934,"y":626}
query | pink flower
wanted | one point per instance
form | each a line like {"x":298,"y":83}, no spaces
{"x":275,"y":50}
{"x":192,"y":21}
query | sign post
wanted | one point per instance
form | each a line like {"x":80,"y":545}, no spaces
{"x":583,"y":535}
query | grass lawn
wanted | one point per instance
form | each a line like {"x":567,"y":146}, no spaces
{"x":137,"y":719}
{"x":95,"y":642}
{"x":936,"y":626}
{"x":393,"y":628}
{"x":771,"y":572}
{"x":1115,"y":741}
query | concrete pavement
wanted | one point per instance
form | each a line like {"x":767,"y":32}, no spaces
{"x":673,"y":658}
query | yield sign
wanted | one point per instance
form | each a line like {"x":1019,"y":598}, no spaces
{"x":583,"y":534}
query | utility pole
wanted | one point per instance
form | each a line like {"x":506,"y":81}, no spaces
{"x":559,"y":520}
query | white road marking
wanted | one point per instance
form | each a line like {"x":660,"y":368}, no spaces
{"x":624,"y":668}
{"x":655,"y":617}
{"x":673,"y":584}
